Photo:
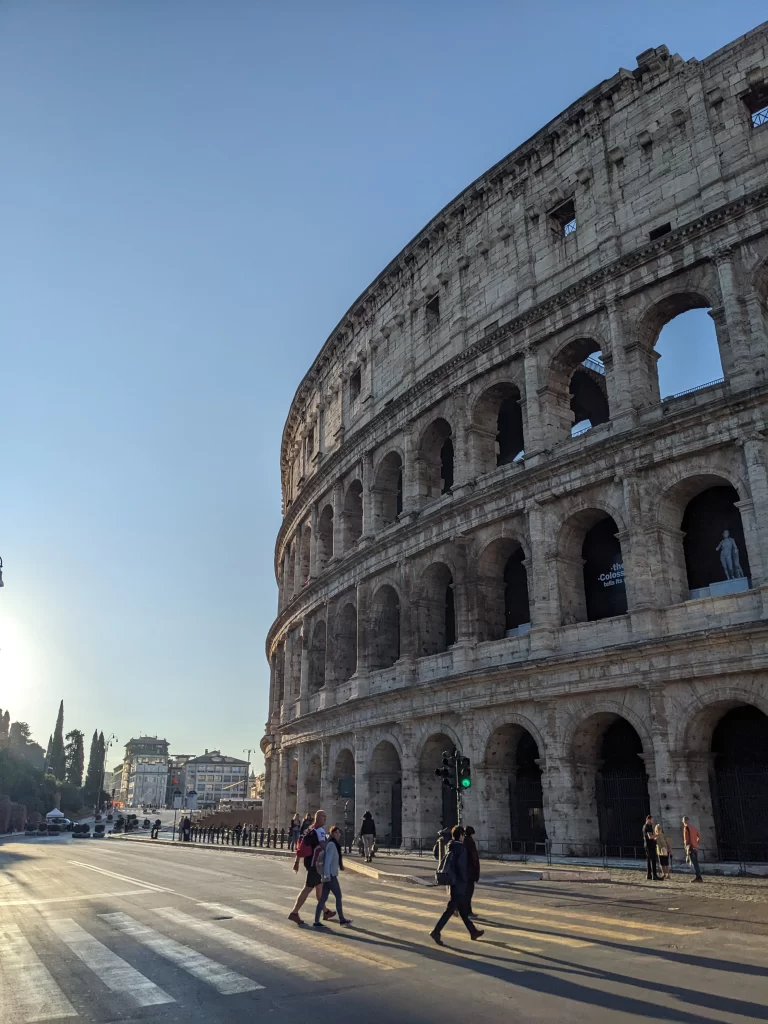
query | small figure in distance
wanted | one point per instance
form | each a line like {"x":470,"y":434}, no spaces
{"x":474,"y":866}
{"x":368,"y":835}
{"x":649,"y":842}
{"x":691,"y":844}
{"x":454,"y":870}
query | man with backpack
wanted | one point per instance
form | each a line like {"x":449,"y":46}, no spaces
{"x":454,"y":872}
{"x":310,"y":846}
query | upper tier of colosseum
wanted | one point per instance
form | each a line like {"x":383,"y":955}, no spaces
{"x":636,"y":170}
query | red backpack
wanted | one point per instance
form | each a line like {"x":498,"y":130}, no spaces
{"x":303,"y":848}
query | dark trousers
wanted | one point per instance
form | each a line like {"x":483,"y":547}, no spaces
{"x":460,"y":902}
{"x":651,"y":860}
{"x":470,"y":894}
{"x":694,"y":855}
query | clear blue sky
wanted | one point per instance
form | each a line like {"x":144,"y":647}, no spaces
{"x":192,"y":193}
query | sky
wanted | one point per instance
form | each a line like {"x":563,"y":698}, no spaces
{"x":192,"y":193}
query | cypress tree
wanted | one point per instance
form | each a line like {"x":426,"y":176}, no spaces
{"x":75,"y":757}
{"x":57,"y":759}
{"x":93,"y":775}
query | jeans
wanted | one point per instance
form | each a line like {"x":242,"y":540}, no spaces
{"x":460,"y":902}
{"x":331,"y":886}
{"x":694,"y":855}
{"x":293,"y":839}
{"x":368,"y":841}
{"x":650,"y":860}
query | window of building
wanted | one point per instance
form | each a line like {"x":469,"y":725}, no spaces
{"x":659,"y":232}
{"x":355,"y":385}
{"x":757,"y":105}
{"x":311,"y":440}
{"x":433,"y":311}
{"x":564,"y":218}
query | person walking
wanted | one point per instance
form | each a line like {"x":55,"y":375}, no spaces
{"x":664,"y":851}
{"x":691,"y":844}
{"x":312,"y":842}
{"x":294,"y":830}
{"x":306,"y":823}
{"x":651,"y":854}
{"x":368,"y":835}
{"x":333,"y":863}
{"x":455,"y":869}
{"x":473,"y":867}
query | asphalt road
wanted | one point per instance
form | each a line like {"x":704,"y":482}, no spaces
{"x":118,"y":930}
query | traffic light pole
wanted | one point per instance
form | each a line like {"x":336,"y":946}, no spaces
{"x":458,"y":787}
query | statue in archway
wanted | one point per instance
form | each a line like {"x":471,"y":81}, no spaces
{"x":729,"y":557}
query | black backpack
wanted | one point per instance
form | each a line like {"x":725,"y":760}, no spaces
{"x":446,"y":872}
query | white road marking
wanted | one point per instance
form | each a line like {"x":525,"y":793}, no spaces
{"x":258,"y":950}
{"x":32,"y":901}
{"x":224,"y":980}
{"x":116,"y":974}
{"x":123,"y":878}
{"x":27,"y":990}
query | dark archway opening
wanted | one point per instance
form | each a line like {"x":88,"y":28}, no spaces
{"x":353,"y":515}
{"x":509,"y":436}
{"x":526,"y":798}
{"x":386,"y":640}
{"x":604,"y":588}
{"x":739,"y":784}
{"x":589,"y":395}
{"x":385,"y":794}
{"x":446,"y":466}
{"x":346,"y":643}
{"x":516,"y":605}
{"x":317,"y":657}
{"x":621,"y":789}
{"x":388,"y":491}
{"x":714,"y":546}
{"x":450,"y":616}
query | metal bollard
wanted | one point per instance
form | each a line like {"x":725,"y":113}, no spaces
{"x":282,"y":837}
{"x":261,"y":837}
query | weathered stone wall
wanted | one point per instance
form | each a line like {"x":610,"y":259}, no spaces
{"x":402,"y":510}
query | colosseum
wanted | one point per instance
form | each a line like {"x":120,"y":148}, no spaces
{"x":500,"y":536}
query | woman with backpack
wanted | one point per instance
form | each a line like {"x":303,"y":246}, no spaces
{"x":368,"y":835}
{"x":454,"y":872}
{"x":333,"y":863}
{"x":311,"y":845}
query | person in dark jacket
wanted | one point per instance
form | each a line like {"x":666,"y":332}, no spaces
{"x":368,"y":835}
{"x":651,"y":853}
{"x":474,"y":866}
{"x":458,"y":866}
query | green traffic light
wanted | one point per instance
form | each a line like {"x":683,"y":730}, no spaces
{"x":466,"y":783}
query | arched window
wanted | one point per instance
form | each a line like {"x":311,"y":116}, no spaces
{"x":604,"y":588}
{"x":739,"y":784}
{"x":388,"y":491}
{"x":324,"y":537}
{"x":437,"y":611}
{"x":509,"y":433}
{"x":317,"y":657}
{"x":304,"y":555}
{"x":715,"y":552}
{"x":353,"y":515}
{"x":436,"y":460}
{"x":346,"y":643}
{"x":688,"y":353}
{"x":502,"y":588}
{"x":578,"y":392}
{"x":517,"y":611}
{"x":497,"y":428}
{"x":279,"y":657}
{"x":386,"y":618}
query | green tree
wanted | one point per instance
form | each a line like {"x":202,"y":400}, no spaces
{"x":19,"y":735}
{"x":93,"y":774}
{"x":74,"y":758}
{"x":58,"y":762}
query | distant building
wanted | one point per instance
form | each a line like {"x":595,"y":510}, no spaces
{"x":113,"y":781}
{"x":145,"y":772}
{"x":256,"y":787}
{"x":176,"y":781}
{"x":214,"y":776}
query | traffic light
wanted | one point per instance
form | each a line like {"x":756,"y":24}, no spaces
{"x":448,"y":772}
{"x":463,"y":772}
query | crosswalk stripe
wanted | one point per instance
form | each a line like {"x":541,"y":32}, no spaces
{"x":378,"y":960}
{"x":539,"y":937}
{"x":116,"y":974}
{"x":250,"y":947}
{"x":33,"y":902}
{"x":122,"y":878}
{"x":27,"y":990}
{"x":552,"y":915}
{"x":225,"y":981}
{"x":540,"y":920}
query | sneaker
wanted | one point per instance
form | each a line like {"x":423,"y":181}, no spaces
{"x":477,"y":933}
{"x":697,"y":879}
{"x":436,"y":937}
{"x":328,"y":914}
{"x":318,"y":924}
{"x":293,"y":916}
{"x":345,"y":921}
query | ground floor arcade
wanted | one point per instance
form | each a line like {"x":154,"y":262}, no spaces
{"x":580,"y":772}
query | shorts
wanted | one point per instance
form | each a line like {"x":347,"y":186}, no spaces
{"x":664,"y":859}
{"x":313,"y":878}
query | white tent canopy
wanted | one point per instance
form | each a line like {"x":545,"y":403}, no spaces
{"x":52,"y":815}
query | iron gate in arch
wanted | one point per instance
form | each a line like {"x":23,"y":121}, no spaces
{"x":622,"y":806}
{"x":740,"y":810}
{"x":526,"y":808}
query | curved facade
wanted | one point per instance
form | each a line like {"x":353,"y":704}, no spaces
{"x":498,"y":536}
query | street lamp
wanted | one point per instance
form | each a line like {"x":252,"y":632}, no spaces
{"x":1,"y":573}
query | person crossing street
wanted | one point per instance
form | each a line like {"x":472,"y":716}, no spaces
{"x":454,"y":870}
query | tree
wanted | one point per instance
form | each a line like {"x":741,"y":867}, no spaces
{"x":58,"y":763}
{"x":5,"y":722}
{"x":48,"y":752}
{"x":93,"y":774}
{"x":19,"y":735}
{"x":74,"y":758}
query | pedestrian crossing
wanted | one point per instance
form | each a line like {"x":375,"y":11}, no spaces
{"x":149,"y":957}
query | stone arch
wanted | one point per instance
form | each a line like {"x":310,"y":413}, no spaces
{"x":342,"y":808}
{"x":502,"y":590}
{"x":353,"y":515}
{"x":279,"y":662}
{"x":437,"y":610}
{"x":496,"y":426}
{"x":292,"y":783}
{"x":611,"y":782}
{"x":305,"y":548}
{"x":312,"y":780}
{"x":324,"y":537}
{"x":435,"y":459}
{"x":437,"y":804}
{"x":290,"y":576}
{"x":692,"y":527}
{"x":591,"y":566}
{"x":317,"y":649}
{"x":385,"y":616}
{"x":388,"y":490}
{"x":578,"y":394}
{"x":512,"y":794}
{"x":385,"y":791}
{"x":345,"y":642}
